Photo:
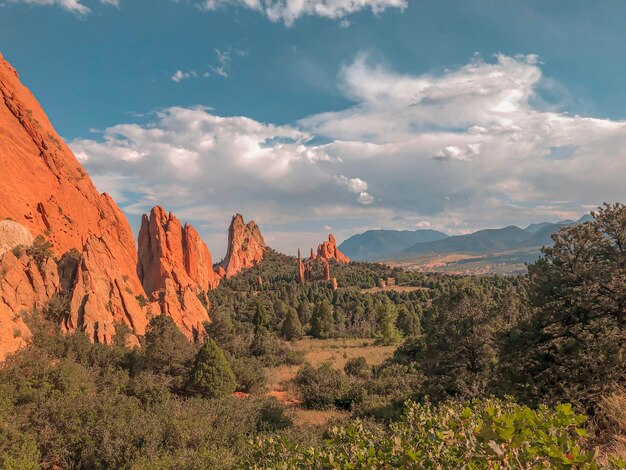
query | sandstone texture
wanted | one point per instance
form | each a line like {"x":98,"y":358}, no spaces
{"x":175,"y":269}
{"x":44,"y":188}
{"x":246,"y":246}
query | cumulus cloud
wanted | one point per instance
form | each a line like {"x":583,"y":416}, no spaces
{"x":73,"y":6}
{"x":357,"y":186}
{"x":288,"y":11}
{"x":459,"y":150}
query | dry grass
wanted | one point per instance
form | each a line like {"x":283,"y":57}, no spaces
{"x":302,"y":417}
{"x":317,"y":352}
{"x":611,"y":419}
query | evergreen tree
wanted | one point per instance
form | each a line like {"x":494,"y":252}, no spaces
{"x":408,"y":321}
{"x":292,"y":328}
{"x":261,"y":318}
{"x":322,"y":322}
{"x":167,"y":350}
{"x":573,"y":347}
{"x":388,"y":332}
{"x":211,"y":375}
{"x":304,"y":312}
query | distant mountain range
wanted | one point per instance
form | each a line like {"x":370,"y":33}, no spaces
{"x":375,"y":245}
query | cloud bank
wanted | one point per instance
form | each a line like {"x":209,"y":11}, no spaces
{"x":459,"y":150}
{"x":73,"y":6}
{"x":288,"y":11}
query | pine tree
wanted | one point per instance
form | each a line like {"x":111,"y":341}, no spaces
{"x":322,"y":323}
{"x":211,"y":375}
{"x":304,"y":312}
{"x":292,"y":328}
{"x":388,"y":332}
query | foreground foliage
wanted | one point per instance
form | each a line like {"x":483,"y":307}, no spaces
{"x":485,"y":433}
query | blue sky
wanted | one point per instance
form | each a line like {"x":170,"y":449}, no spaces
{"x":349,"y":115}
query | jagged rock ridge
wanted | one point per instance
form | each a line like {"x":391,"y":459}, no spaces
{"x":175,"y":269}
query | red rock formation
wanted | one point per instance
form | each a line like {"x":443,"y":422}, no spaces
{"x":44,"y":188}
{"x":175,"y":267}
{"x":328,"y":250}
{"x":246,"y":246}
{"x":301,"y":279}
{"x":24,"y":285}
{"x":102,"y":295}
{"x":335,"y":286}
{"x":313,"y":254}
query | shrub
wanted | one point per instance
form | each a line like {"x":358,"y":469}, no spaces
{"x":321,"y":387}
{"x":18,"y":251}
{"x":40,"y":250}
{"x":211,"y":375}
{"x":357,"y":367}
{"x":272,"y":416}
{"x":57,"y":309}
{"x":249,"y":374}
{"x":483,"y":434}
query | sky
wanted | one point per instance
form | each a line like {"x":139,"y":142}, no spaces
{"x":311,"y":116}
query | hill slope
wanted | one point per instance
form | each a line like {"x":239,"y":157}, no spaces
{"x":377,"y":244}
{"x":483,"y":241}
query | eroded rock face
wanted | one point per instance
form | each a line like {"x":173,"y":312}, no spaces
{"x":328,"y":250}
{"x":44,"y":188}
{"x":246,"y":246}
{"x":175,"y":269}
{"x":102,"y":296}
{"x":24,"y":285}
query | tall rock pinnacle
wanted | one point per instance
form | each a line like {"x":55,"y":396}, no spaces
{"x":175,"y":269}
{"x":246,"y":246}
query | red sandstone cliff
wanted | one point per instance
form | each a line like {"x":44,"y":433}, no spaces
{"x":44,"y":188}
{"x":246,"y":246}
{"x":175,"y":267}
{"x":328,"y":250}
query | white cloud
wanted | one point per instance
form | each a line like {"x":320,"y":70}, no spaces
{"x":365,"y":198}
{"x":288,"y":11}
{"x":223,"y":63}
{"x":454,"y":152}
{"x":73,"y":6}
{"x":356,"y":186}
{"x":179,"y":75}
{"x":459,"y":150}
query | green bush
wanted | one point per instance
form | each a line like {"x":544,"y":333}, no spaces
{"x":357,"y":367}
{"x":40,"y":249}
{"x":483,"y":434}
{"x":211,"y":375}
{"x":249,"y":374}
{"x":321,"y":387}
